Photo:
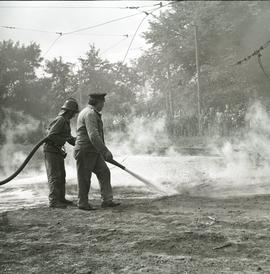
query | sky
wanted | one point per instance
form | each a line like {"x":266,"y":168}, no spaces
{"x":50,"y":17}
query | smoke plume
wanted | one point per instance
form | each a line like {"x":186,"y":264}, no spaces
{"x":17,"y":129}
{"x":244,"y":164}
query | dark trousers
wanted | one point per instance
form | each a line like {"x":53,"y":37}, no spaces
{"x":88,"y":162}
{"x":55,"y":167}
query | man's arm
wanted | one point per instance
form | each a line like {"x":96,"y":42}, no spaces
{"x":55,"y":132}
{"x":91,"y":125}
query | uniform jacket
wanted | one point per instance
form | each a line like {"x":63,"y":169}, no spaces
{"x":90,"y":134}
{"x":59,"y":133}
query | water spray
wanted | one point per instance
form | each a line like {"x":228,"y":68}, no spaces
{"x":146,"y":182}
{"x":143,"y":180}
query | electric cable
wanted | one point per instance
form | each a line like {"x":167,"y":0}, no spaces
{"x":118,"y":19}
{"x":53,"y":43}
{"x":261,"y":66}
{"x":259,"y":55}
{"x":134,"y":35}
{"x":102,"y":24}
{"x":147,"y":13}
{"x":114,"y":45}
{"x":54,"y":32}
{"x":100,"y":35}
{"x":76,"y":7}
{"x":94,"y":26}
{"x":28,"y":29}
{"x":75,"y":31}
{"x":256,"y":52}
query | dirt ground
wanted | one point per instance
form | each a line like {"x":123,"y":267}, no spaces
{"x":212,"y":222}
{"x":176,"y":234}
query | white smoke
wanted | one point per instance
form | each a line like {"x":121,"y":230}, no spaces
{"x":143,"y":135}
{"x":244,"y":166}
{"x":16,"y":126}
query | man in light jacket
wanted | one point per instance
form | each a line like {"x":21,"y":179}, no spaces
{"x":91,"y":153}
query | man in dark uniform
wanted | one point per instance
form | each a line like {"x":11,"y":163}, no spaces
{"x":59,"y":133}
{"x":91,"y":152}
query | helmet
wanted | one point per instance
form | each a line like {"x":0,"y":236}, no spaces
{"x":71,"y":104}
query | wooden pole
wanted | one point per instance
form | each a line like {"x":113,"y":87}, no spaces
{"x":198,"y":81}
{"x":171,"y":106}
{"x":80,"y":98}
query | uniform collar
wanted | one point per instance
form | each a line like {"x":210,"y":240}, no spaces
{"x":97,"y":112}
{"x":62,"y":115}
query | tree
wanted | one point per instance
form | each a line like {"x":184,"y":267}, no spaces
{"x":22,"y":94}
{"x":63,"y":82}
{"x":122,"y":83}
{"x":223,"y":29}
{"x":17,"y":72}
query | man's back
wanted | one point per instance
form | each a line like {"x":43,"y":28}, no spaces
{"x":90,"y":131}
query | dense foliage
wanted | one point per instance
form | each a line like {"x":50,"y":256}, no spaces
{"x":163,"y":80}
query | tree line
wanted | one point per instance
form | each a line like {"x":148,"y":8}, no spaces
{"x":162,"y":81}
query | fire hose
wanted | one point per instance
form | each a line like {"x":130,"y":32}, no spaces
{"x":111,"y":161}
{"x":146,"y":182}
{"x":24,"y":163}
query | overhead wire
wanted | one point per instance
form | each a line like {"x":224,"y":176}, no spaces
{"x":61,"y":34}
{"x":72,"y":32}
{"x":50,"y":47}
{"x":29,"y":29}
{"x":114,"y":45}
{"x":134,"y":35}
{"x":147,"y":13}
{"x":57,"y":32}
{"x":261,"y":66}
{"x":76,"y":7}
{"x":94,"y":26}
{"x":102,"y":24}
{"x":257,"y":53}
{"x":78,"y":30}
{"x":119,"y":19}
{"x":100,"y":35}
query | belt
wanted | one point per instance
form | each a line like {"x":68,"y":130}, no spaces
{"x":60,"y":148}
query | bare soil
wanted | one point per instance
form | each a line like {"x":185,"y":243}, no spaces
{"x":176,"y":234}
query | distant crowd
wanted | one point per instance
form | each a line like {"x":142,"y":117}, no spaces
{"x":223,"y":123}
{"x":214,"y":122}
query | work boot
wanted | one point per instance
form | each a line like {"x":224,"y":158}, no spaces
{"x":86,"y":207}
{"x":109,"y":204}
{"x":57,"y":205}
{"x":67,"y":202}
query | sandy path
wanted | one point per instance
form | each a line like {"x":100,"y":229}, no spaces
{"x":178,"y":234}
{"x":192,"y":231}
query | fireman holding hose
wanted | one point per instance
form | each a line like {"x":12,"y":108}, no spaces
{"x":91,"y":153}
{"x":59,"y":133}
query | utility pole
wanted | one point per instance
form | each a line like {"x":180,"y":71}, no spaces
{"x":79,"y":90}
{"x":170,"y":99}
{"x":198,"y":81}
{"x":80,"y":97}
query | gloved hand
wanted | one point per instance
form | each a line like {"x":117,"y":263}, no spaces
{"x":71,"y":140}
{"x":108,"y":155}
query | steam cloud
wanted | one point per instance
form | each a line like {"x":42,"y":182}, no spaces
{"x":17,"y":127}
{"x":242,"y":167}
{"x":245,"y":162}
